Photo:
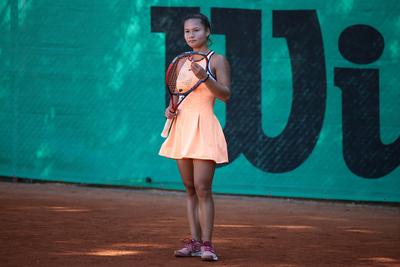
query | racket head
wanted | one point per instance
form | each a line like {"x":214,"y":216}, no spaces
{"x":175,"y":67}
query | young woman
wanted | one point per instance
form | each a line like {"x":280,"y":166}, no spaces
{"x":196,"y":139}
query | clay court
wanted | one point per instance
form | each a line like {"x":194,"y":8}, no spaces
{"x":68,"y":225}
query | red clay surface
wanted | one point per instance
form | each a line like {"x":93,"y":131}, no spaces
{"x":68,"y":225}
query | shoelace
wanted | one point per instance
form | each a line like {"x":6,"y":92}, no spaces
{"x":191,"y":244}
{"x":209,"y":247}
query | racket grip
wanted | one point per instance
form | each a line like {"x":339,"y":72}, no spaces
{"x":167,"y":126}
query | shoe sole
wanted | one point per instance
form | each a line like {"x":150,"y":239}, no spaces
{"x":195,"y":254}
{"x":209,"y":258}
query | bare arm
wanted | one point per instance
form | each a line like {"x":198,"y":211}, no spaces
{"x":220,"y":88}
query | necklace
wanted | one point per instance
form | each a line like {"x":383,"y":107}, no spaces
{"x":205,"y":52}
{"x":191,"y":58}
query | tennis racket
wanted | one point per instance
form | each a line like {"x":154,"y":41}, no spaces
{"x":178,"y":92}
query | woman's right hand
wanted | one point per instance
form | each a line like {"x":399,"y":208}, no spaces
{"x":169,"y":113}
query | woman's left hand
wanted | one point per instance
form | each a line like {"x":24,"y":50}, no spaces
{"x":198,"y":71}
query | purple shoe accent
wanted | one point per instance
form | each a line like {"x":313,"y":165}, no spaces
{"x":208,"y":252}
{"x":192,"y":248}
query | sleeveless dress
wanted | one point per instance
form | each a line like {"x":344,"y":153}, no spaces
{"x":196,"y":132}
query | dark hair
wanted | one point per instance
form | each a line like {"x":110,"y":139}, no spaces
{"x":203,"y":19}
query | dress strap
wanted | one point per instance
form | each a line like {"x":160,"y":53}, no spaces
{"x":209,"y":55}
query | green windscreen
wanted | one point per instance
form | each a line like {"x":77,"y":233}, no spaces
{"x":314,"y":112}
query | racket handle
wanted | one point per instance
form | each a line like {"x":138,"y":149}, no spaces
{"x":167,"y":126}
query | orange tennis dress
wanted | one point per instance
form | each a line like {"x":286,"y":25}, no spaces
{"x":196,"y":132}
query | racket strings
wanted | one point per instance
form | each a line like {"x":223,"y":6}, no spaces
{"x":174,"y":72}
{"x":172,"y":78}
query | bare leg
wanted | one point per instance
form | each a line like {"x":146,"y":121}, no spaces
{"x":203,"y":174}
{"x":185,"y":167}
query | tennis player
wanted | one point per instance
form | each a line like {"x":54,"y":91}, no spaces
{"x":196,"y":139}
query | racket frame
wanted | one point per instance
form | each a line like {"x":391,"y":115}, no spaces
{"x":181,"y":96}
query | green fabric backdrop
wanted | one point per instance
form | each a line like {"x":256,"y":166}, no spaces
{"x":82,"y":100}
